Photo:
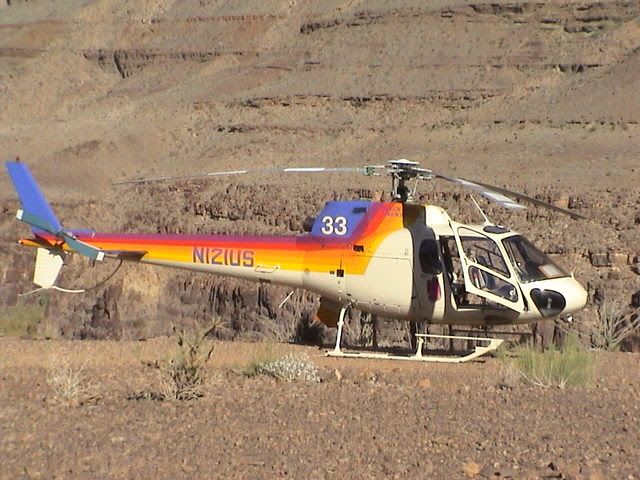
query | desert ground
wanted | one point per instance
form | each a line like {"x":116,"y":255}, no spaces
{"x":365,"y":419}
{"x":539,"y":97}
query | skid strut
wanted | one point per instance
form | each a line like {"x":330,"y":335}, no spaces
{"x":489,"y":345}
{"x":336,"y":350}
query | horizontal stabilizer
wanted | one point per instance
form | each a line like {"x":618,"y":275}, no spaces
{"x":125,"y":254}
{"x":36,"y":222}
{"x":82,"y":248}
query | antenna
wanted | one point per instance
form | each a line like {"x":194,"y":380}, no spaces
{"x":486,"y":219}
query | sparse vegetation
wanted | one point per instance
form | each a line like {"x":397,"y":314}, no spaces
{"x":20,"y":320}
{"x":614,"y":323}
{"x":70,"y":385}
{"x":572,"y":366}
{"x":289,"y":368}
{"x":508,"y":374}
{"x":182,"y":375}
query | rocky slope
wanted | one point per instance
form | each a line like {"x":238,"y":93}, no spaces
{"x":537,"y":96}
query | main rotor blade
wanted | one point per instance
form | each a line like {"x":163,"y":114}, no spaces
{"x":253,"y":171}
{"x":410,"y":169}
{"x":498,"y":195}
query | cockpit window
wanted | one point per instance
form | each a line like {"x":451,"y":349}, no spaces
{"x":483,"y":251}
{"x":530,"y":263}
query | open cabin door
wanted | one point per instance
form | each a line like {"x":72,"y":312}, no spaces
{"x":485,"y":269}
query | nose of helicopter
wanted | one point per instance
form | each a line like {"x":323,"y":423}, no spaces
{"x":559,"y":296}
{"x":575,"y":295}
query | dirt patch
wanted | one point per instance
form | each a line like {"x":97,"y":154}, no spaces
{"x":389,"y":420}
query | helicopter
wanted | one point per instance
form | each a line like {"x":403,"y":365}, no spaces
{"x":397,"y":258}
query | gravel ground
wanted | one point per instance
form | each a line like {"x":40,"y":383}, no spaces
{"x":365,"y":419}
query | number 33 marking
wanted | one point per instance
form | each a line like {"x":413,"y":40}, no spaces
{"x":332,"y":225}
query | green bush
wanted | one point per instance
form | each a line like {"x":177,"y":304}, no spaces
{"x":572,"y":366}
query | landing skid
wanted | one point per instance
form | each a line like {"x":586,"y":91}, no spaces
{"x":490,"y":345}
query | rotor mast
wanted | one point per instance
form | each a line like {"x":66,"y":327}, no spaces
{"x":401,"y":172}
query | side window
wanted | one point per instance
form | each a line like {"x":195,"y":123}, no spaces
{"x":492,"y":284}
{"x":429,"y":258}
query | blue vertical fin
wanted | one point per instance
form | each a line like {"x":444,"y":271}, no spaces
{"x":34,"y":205}
{"x":36,"y":211}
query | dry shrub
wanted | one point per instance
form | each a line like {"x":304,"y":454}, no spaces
{"x":70,"y":385}
{"x":182,"y":375}
{"x":614,"y":323}
{"x":508,"y":375}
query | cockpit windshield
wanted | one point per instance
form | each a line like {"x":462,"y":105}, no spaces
{"x":530,"y":263}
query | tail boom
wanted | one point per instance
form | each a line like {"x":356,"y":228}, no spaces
{"x":318,"y":261}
